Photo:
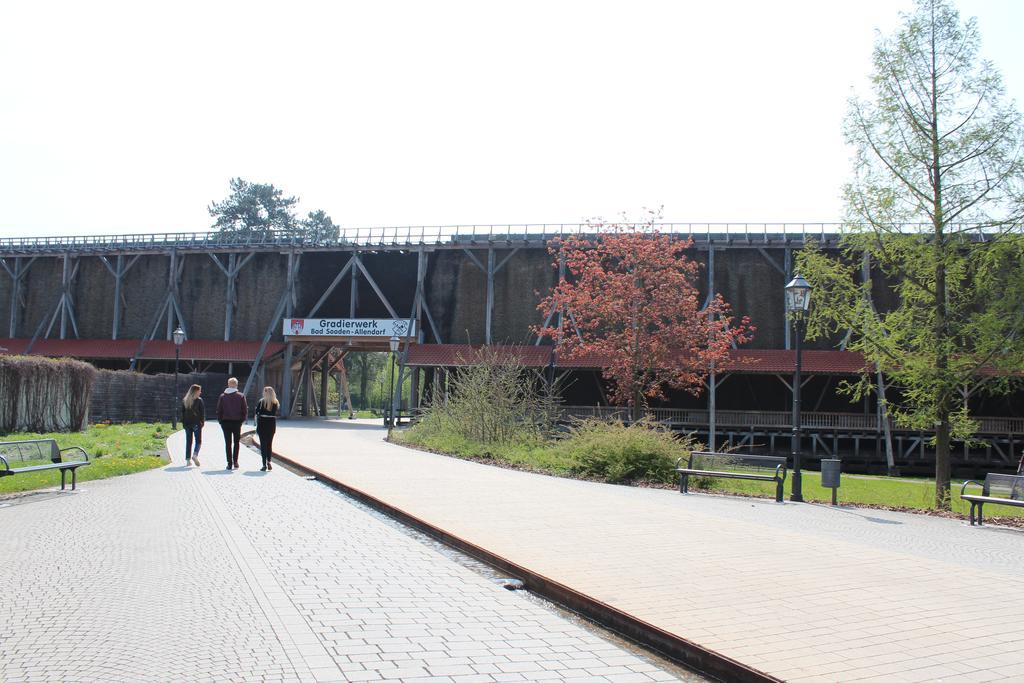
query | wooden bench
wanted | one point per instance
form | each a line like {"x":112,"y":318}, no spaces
{"x":1010,"y":485}
{"x":17,"y":457}
{"x":733,"y":466}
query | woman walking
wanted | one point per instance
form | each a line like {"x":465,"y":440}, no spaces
{"x":266,"y":424}
{"x":231,"y":413}
{"x":193,"y":417}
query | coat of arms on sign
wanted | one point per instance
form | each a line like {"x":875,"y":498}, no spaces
{"x":297,"y":325}
{"x":401,"y":327}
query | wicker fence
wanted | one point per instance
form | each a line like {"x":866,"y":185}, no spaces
{"x":43,"y":394}
{"x":121,"y":396}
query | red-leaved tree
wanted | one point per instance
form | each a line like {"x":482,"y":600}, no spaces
{"x":632,"y":307}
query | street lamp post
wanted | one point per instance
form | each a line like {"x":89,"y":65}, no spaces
{"x":393,"y":344}
{"x":798,"y":300}
{"x":179,"y":338}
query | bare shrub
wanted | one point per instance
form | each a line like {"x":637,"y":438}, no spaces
{"x":494,"y":400}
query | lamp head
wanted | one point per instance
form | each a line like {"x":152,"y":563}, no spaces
{"x":179,"y":336}
{"x":393,"y":343}
{"x":798,"y":296}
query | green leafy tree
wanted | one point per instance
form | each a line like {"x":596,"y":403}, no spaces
{"x":318,"y":227}
{"x":935,"y":209}
{"x":363,"y":369}
{"x":254,"y":210}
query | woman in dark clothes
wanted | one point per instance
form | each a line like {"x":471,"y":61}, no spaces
{"x":266,"y":424}
{"x":193,"y":417}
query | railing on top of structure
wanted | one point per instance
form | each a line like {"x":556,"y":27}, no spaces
{"x":411,"y":236}
{"x":452,"y":236}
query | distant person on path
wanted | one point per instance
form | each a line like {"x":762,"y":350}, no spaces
{"x":193,"y":417}
{"x":231,"y":413}
{"x":266,"y":424}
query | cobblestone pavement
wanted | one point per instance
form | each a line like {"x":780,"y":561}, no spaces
{"x":803,"y":592}
{"x":186,"y":575}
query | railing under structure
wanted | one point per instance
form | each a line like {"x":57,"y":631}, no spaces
{"x":829,"y":421}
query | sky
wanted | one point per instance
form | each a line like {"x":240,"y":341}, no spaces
{"x":132,"y":117}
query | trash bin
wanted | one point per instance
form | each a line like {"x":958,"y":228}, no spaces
{"x":830,"y":470}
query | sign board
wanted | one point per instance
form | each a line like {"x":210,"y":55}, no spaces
{"x":384,"y":328}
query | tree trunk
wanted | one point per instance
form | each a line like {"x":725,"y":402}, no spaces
{"x":942,"y":461}
{"x":942,"y":455}
{"x":364,"y":381}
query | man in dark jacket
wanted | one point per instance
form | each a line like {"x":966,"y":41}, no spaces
{"x":231,"y":413}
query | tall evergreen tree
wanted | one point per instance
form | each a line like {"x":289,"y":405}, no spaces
{"x":254,"y":210}
{"x":318,"y":227}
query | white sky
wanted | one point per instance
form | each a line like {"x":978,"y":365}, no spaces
{"x":131,"y":117}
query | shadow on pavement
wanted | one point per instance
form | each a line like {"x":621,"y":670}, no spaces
{"x":254,"y":474}
{"x":36,"y":496}
{"x":217,"y":472}
{"x":178,"y":468}
{"x":874,"y":520}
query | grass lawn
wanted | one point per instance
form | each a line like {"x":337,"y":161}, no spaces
{"x":899,"y":492}
{"x":539,"y":458}
{"x":365,"y":415}
{"x":895,"y":492}
{"x":113,"y":450}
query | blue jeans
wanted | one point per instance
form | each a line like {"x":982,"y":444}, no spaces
{"x":192,"y":431}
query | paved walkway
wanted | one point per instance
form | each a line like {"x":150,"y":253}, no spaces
{"x":803,"y":592}
{"x":186,"y":575}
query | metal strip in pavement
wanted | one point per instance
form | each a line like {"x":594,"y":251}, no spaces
{"x":661,"y":641}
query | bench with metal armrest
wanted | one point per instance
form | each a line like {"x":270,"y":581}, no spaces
{"x":18,"y":457}
{"x":733,"y":466}
{"x":1010,"y":485}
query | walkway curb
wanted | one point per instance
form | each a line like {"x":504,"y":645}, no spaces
{"x":663,"y":642}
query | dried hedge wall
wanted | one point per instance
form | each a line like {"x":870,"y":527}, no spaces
{"x":44,"y":394}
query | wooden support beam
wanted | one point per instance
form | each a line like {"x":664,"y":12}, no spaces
{"x":17,"y":272}
{"x":286,"y":380}
{"x":421,"y":268}
{"x":376,"y":289}
{"x":712,"y":393}
{"x":334,"y":283}
{"x":505,"y":260}
{"x":772,"y":261}
{"x":118,"y":271}
{"x":67,"y":306}
{"x":551,"y":313}
{"x":343,"y":378}
{"x":231,"y":271}
{"x":489,"y":311}
{"x":324,"y":376}
{"x":284,"y":308}
{"x":353,"y":295}
{"x":474,"y":259}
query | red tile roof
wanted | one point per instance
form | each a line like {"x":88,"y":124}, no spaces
{"x":13,"y":347}
{"x":457,"y":355}
{"x":784,"y":362}
{"x":86,"y":348}
{"x":208,"y":350}
{"x":192,"y":349}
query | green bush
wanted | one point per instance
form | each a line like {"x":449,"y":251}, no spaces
{"x":619,"y":453}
